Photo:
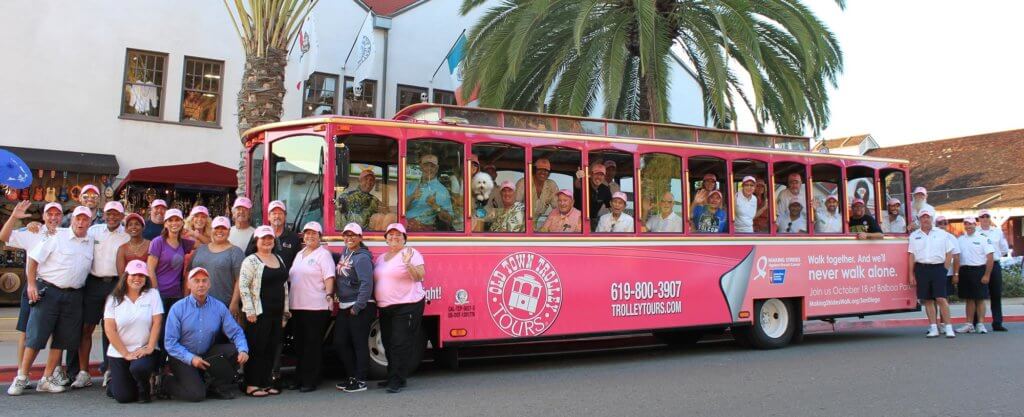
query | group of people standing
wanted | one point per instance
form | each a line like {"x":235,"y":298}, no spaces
{"x":184,"y":302}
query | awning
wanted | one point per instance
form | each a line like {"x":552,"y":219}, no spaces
{"x":78,"y":162}
{"x":201,"y":173}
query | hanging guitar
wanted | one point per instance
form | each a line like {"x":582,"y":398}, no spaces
{"x":11,"y":193}
{"x":63,"y":196}
{"x":37,"y":191}
{"x":51,"y":191}
{"x":108,"y":186}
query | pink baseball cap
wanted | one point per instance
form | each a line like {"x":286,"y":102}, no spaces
{"x":940,"y":218}
{"x":263,"y":231}
{"x":158,"y":202}
{"x":80,"y":210}
{"x":221,"y":221}
{"x":242,"y":202}
{"x":619,"y":195}
{"x":136,"y":267}
{"x":566,"y":191}
{"x":395,"y":226}
{"x":894,"y":201}
{"x":832,"y":197}
{"x":49,"y":206}
{"x":984,"y":212}
{"x":173,"y":213}
{"x":198,"y":270}
{"x":749,"y":178}
{"x":135,"y":216}
{"x":276,"y":204}
{"x":314,"y":226}
{"x":508,"y":184}
{"x":597,"y":168}
{"x":969,"y":219}
{"x":199,"y":209}
{"x":366,"y":172}
{"x":715,"y":192}
{"x":354,"y":228}
{"x":113,"y":205}
{"x":90,"y":187}
{"x":921,"y":190}
{"x":857,"y":201}
{"x":926,"y":212}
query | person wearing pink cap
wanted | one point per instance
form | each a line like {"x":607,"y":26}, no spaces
{"x":155,"y":225}
{"x":611,"y":179}
{"x":892,"y":220}
{"x":428,"y":204}
{"x":929,"y":253}
{"x":264,"y":295}
{"x":710,"y":217}
{"x":709,"y":183}
{"x":974,"y":278}
{"x":543,"y":191}
{"x":287,"y":243}
{"x":746,"y":205}
{"x":510,"y":216}
{"x":862,"y":224}
{"x":241,"y":214}
{"x":26,"y":239}
{"x":222,"y":261}
{"x":90,"y":198}
{"x":132,"y":314}
{"x":919,"y":202}
{"x":942,"y":222}
{"x":197,"y":226}
{"x":357,"y":309}
{"x":359,"y":205}
{"x":311,"y":293}
{"x":564,"y":218}
{"x":137,"y":247}
{"x":599,"y":195}
{"x":617,"y":221}
{"x":102,"y":278}
{"x":794,"y":191}
{"x":57,"y":270}
{"x":829,"y":220}
{"x":166,"y":262}
{"x":398,"y":289}
{"x":995,"y":236}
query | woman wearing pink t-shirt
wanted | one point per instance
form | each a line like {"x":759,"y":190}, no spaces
{"x":398,"y":289}
{"x":312,"y":287}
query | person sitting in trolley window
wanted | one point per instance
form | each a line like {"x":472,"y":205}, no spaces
{"x":547,"y":199}
{"x":707,"y":185}
{"x":428,"y":204}
{"x":919,"y":202}
{"x":609,"y":179}
{"x":861,"y":223}
{"x":794,"y":192}
{"x":710,"y":217}
{"x":892,"y":220}
{"x":359,"y":205}
{"x":795,"y":221}
{"x":565,"y":218}
{"x":746,"y":205}
{"x":510,"y":216}
{"x":831,"y":219}
{"x":616,"y":221}
{"x":665,"y":220}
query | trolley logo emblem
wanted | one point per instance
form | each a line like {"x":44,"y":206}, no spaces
{"x":524,"y":294}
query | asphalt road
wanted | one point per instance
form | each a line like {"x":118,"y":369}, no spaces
{"x":892,"y":372}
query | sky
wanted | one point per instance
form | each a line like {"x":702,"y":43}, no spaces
{"x":918,"y":70}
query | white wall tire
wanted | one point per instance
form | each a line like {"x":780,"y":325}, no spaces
{"x":774,"y":325}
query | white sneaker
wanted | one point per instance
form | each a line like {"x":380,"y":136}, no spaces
{"x":18,"y":385}
{"x":82,"y":380}
{"x":933,"y":331}
{"x":949,"y":331}
{"x":60,"y":377}
{"x":967,"y":328}
{"x":106,"y":378}
{"x":48,"y":385}
{"x":981,"y":329}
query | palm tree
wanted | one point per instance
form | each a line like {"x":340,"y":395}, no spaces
{"x":266,"y":29}
{"x":774,"y":56}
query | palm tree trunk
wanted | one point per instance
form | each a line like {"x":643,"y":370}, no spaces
{"x":261,"y":98}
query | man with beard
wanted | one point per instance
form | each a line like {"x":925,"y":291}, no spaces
{"x":90,"y":198}
{"x":920,"y":202}
{"x":861,"y":223}
{"x":892,"y":220}
{"x":831,"y":220}
{"x":241,"y":232}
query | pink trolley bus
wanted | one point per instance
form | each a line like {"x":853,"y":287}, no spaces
{"x":488,"y":285}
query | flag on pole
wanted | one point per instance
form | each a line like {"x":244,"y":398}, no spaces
{"x":363,"y":56}
{"x":456,"y":67}
{"x":309,"y":49}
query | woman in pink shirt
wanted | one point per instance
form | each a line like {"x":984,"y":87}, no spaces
{"x":312,"y":287}
{"x":398,"y":289}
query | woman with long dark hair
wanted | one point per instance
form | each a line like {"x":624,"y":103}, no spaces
{"x":357,"y":309}
{"x":132,"y":319}
{"x":166,"y":264}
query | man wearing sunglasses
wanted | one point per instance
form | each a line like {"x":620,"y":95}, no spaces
{"x":795,"y":222}
{"x":997,"y":239}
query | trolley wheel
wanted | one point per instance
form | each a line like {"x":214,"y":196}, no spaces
{"x":679,"y":338}
{"x":447,"y":357}
{"x":773,"y":325}
{"x":378,"y":358}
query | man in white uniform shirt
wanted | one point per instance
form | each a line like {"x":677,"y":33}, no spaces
{"x":616,"y":221}
{"x":102,"y":278}
{"x":241,"y":232}
{"x":57,"y":270}
{"x":1001,"y":247}
{"x":795,"y":222}
{"x":919,"y":202}
{"x":942,"y":222}
{"x":892,"y":220}
{"x":665,"y":220}
{"x":930,"y":252}
{"x":976,"y":267}
{"x":746,"y":205}
{"x":831,"y":219}
{"x":794,"y":192}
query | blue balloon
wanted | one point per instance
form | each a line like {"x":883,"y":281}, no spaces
{"x":14,"y":172}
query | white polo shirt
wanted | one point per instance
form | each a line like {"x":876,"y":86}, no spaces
{"x":134,"y":320}
{"x":956,"y":251}
{"x":996,"y":239}
{"x":782,"y":205}
{"x":608,"y":224}
{"x":104,"y":260}
{"x":241,"y":237}
{"x":64,"y":259}
{"x":931,"y":247}
{"x":825,"y":222}
{"x":897,"y":225}
{"x":974,"y":249}
{"x":671,"y":224}
{"x":746,"y":208}
{"x":793,"y":226}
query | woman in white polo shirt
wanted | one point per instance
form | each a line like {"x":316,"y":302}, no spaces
{"x":131,"y":320}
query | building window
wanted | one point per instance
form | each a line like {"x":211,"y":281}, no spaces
{"x":444,"y":97}
{"x":201,"y":91}
{"x":319,"y":95}
{"x":144,"y":79}
{"x":409,"y":95}
{"x":360,"y":99}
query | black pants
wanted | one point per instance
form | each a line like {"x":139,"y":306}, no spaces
{"x":995,"y":292}
{"x":129,"y":378}
{"x":263,"y":337}
{"x":308,"y":327}
{"x":400,"y":327}
{"x":94,"y":298}
{"x":188,"y":383}
{"x":351,"y":338}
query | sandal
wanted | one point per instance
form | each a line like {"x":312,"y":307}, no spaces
{"x":271,"y":391}
{"x":257,"y":393}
